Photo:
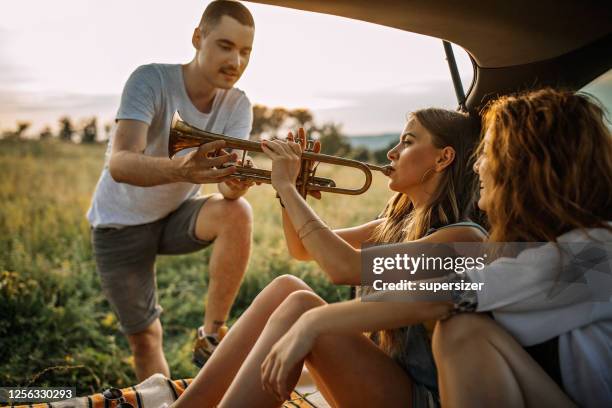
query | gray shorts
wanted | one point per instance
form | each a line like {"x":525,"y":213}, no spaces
{"x":125,"y":260}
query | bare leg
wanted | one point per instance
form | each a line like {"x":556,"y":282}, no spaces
{"x":229,"y":224}
{"x":321,"y":386}
{"x":246,"y":389}
{"x":481,"y":365}
{"x":342,"y":361}
{"x":148,"y":353}
{"x":213,"y":380}
{"x":387,"y":383}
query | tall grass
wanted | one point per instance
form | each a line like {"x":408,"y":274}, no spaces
{"x":56,"y":328}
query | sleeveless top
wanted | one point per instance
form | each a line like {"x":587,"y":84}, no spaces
{"x":414,"y":353}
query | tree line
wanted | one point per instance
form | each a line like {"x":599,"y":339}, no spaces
{"x":277,"y":122}
{"x":85,"y":132}
{"x":267,"y":123}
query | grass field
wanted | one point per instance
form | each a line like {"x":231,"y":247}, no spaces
{"x":56,"y":328}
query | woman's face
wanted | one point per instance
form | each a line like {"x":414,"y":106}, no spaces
{"x":481,"y":167}
{"x":413,"y":160}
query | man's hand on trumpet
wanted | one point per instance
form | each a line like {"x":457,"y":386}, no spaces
{"x":204,"y":165}
{"x":234,"y":188}
{"x":286,"y":160}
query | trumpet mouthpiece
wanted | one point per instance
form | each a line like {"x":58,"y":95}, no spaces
{"x":387,"y":170}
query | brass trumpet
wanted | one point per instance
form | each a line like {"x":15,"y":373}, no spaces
{"x":184,"y":136}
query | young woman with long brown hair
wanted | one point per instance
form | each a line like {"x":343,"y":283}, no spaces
{"x":435,"y":194}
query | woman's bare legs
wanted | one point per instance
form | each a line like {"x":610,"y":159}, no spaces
{"x":481,"y":365}
{"x":337,"y":363}
{"x":246,"y":389}
{"x":216,"y":376}
{"x":343,"y":361}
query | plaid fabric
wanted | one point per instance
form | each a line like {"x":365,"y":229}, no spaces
{"x":153,"y":392}
{"x":156,"y":391}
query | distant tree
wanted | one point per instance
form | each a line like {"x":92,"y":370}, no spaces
{"x":332,"y":140}
{"x":108,"y":126}
{"x":45,"y":133}
{"x":268,"y":121}
{"x":66,"y":129}
{"x":303,"y":117}
{"x":89,"y":132}
{"x":276,"y":120}
{"x":21,"y":128}
{"x":361,"y":154}
{"x":380,"y":156}
{"x":260,"y":113}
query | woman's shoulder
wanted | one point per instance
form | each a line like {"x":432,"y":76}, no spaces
{"x":468,"y":230}
{"x":458,"y":232}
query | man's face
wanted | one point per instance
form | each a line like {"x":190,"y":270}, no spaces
{"x":223,"y":54}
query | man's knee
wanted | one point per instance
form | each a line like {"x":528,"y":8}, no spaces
{"x":147,"y":341}
{"x":219,"y":216}
{"x":232,"y":211}
{"x":296,"y":304}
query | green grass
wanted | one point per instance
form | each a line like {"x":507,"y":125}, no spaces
{"x":56,"y":328}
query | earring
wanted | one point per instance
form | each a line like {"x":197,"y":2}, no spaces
{"x":423,"y":179}
{"x":425,"y":174}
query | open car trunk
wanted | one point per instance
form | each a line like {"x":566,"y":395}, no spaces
{"x":513,"y":45}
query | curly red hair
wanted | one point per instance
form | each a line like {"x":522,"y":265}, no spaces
{"x":550,"y":154}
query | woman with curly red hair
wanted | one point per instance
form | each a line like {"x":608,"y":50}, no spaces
{"x":545,"y":169}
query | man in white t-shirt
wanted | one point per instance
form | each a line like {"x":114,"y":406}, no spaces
{"x":146,"y":204}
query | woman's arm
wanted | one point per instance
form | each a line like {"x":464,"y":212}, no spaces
{"x":354,"y":236}
{"x":357,"y":316}
{"x":336,"y":257}
{"x":351,"y":317}
{"x":339,"y":259}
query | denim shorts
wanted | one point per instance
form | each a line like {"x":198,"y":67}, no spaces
{"x":125,"y":261}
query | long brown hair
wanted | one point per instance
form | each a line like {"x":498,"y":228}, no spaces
{"x":452,"y":201}
{"x":550,"y":156}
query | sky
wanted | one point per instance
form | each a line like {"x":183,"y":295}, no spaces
{"x":72,"y":57}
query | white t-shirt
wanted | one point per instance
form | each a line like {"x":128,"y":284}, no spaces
{"x":542,"y":294}
{"x":152,"y":94}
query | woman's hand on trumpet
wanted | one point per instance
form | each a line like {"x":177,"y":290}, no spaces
{"x":316,"y":148}
{"x":286,"y":160}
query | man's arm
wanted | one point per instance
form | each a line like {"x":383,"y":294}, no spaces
{"x":129,"y":165}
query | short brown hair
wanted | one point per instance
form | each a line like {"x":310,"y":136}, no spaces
{"x":219,"y":8}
